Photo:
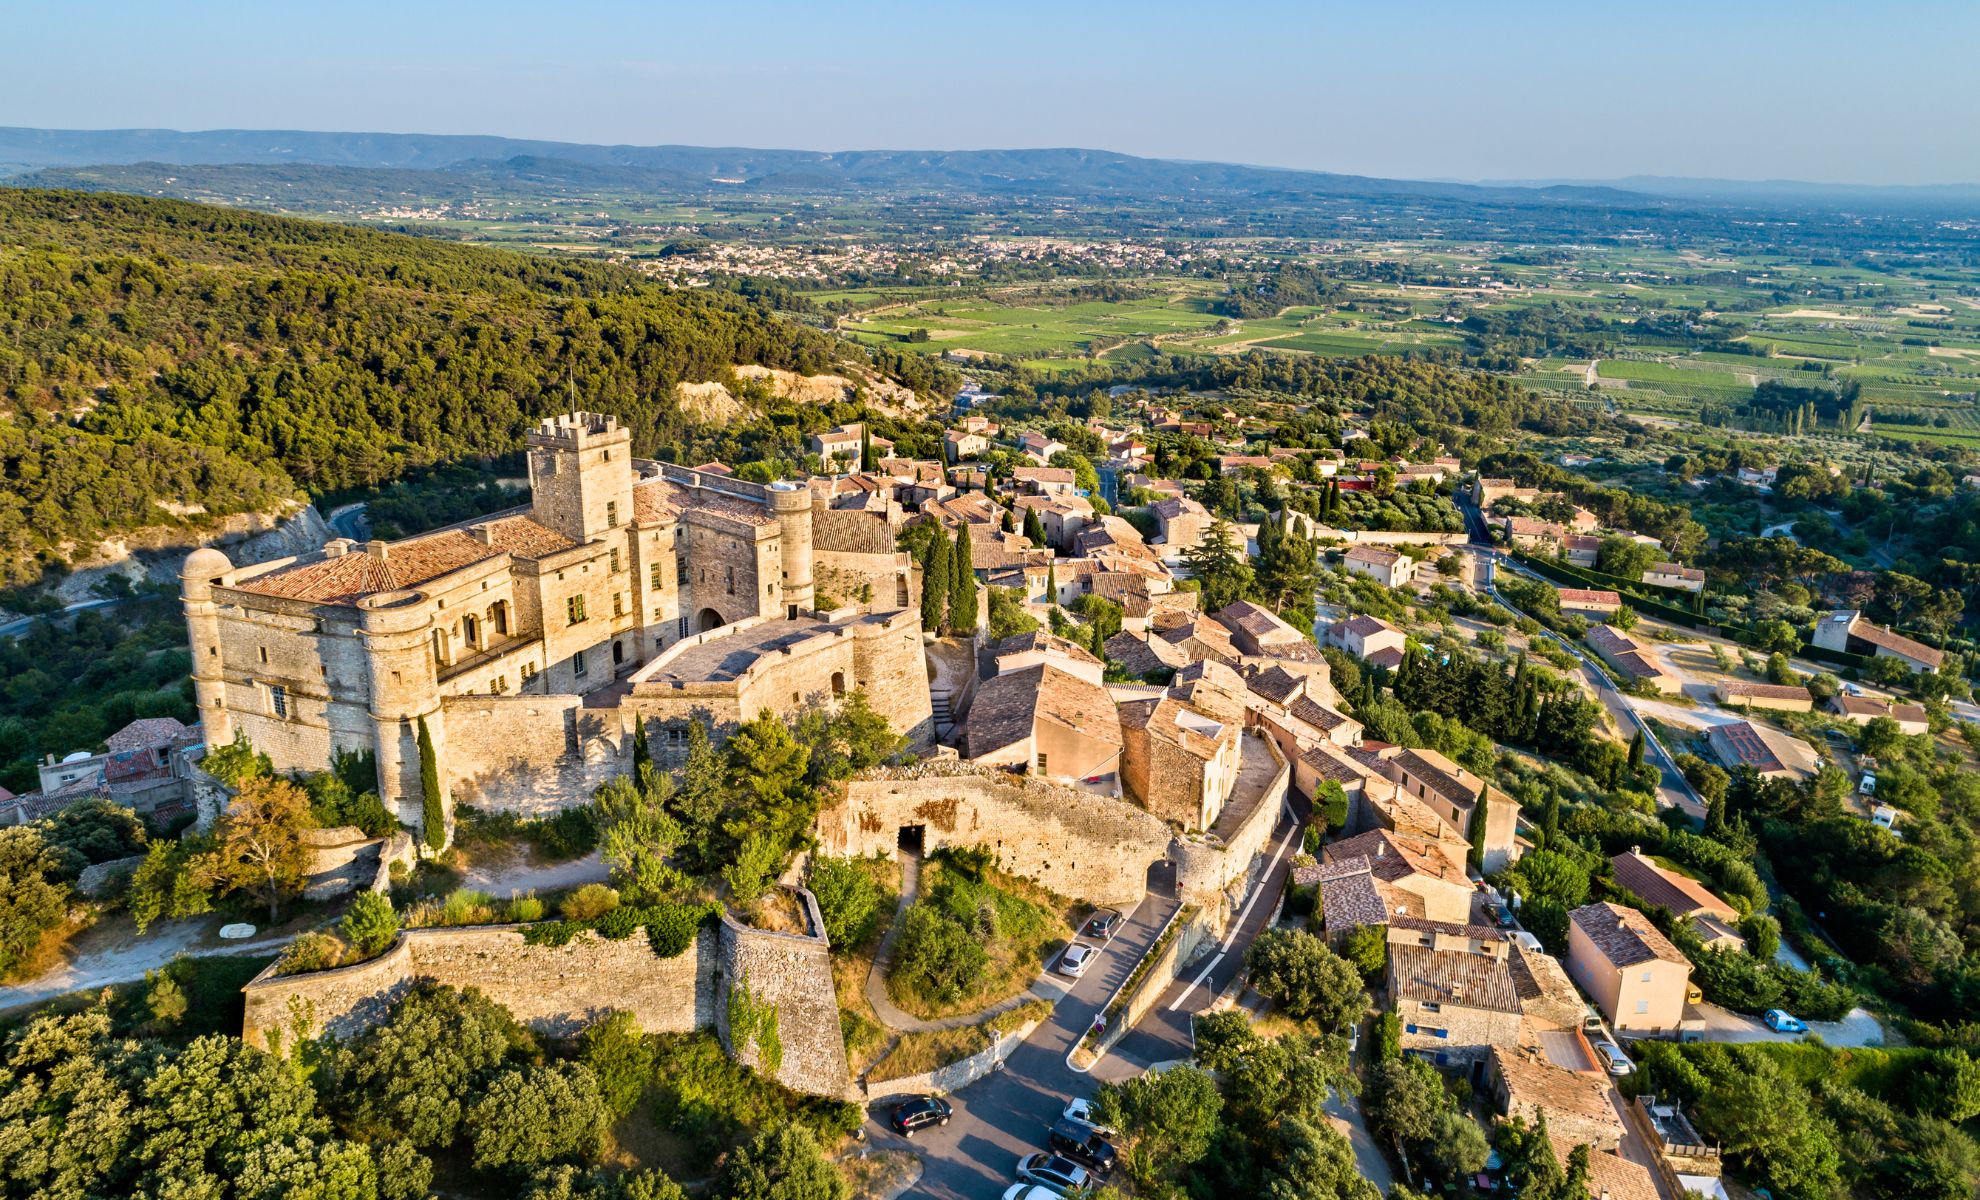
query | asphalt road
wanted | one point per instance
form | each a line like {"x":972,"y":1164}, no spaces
{"x":23,"y":624}
{"x":1004,"y":1117}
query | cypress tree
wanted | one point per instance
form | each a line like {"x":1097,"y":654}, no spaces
{"x":433,"y":814}
{"x":642,"y":755}
{"x":1550,"y":820}
{"x":865,"y":448}
{"x":935,"y":583}
{"x":1480,"y":815}
{"x":1636,"y":751}
{"x":962,"y":585}
{"x":1052,"y":583}
{"x":1034,"y":530}
{"x":1007,"y":522}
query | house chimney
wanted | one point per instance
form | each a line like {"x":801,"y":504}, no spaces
{"x":1381,"y":848}
{"x":1637,"y":851}
{"x":376,"y":549}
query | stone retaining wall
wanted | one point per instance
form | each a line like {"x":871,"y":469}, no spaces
{"x":561,"y":989}
{"x":956,"y":1075}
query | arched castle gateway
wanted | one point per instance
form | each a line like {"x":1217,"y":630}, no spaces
{"x":527,"y":640}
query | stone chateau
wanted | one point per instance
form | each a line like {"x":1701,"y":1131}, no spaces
{"x":530,"y":640}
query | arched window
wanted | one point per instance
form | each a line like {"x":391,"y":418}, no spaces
{"x":470,"y":630}
{"x":618,"y":653}
{"x":709,"y":619}
{"x":838,"y":683}
{"x":498,"y":618}
{"x":440,"y":646}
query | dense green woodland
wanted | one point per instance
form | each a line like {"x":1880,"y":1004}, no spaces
{"x":152,"y":350}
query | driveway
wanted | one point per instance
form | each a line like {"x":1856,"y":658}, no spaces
{"x":1002,"y":1118}
{"x":115,"y":953}
{"x":1858,"y":1028}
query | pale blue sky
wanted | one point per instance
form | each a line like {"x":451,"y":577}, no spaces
{"x":1856,"y":92}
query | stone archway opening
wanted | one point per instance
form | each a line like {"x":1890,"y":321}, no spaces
{"x":709,"y":619}
{"x":911,"y":839}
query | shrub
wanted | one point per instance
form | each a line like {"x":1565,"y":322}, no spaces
{"x":1306,"y":978}
{"x":538,"y":1115}
{"x":466,"y":906}
{"x":314,"y":951}
{"x":370,"y":924}
{"x":525,"y":909}
{"x":589,"y":902}
{"x":938,"y":957}
{"x":620,"y":1055}
{"x":756,"y":864}
{"x":848,"y":899}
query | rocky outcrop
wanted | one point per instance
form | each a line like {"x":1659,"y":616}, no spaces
{"x":154,"y":553}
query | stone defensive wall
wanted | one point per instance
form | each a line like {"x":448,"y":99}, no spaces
{"x":1095,"y":848}
{"x":1214,"y":869}
{"x":561,"y":989}
{"x":530,"y":754}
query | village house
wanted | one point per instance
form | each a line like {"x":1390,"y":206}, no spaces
{"x":1674,"y":575}
{"x":1390,"y":568}
{"x":1774,"y":754}
{"x":1636,"y":977}
{"x":1370,"y":639}
{"x":839,"y":449}
{"x":960,"y":444}
{"x":1415,"y":876}
{"x":1045,"y":721}
{"x":1039,"y":448}
{"x":1180,"y":523}
{"x":1575,"y":1104}
{"x":1454,"y":1005}
{"x":1628,"y":659}
{"x":1783,"y":697}
{"x":1712,"y":919}
{"x":1044,"y":481}
{"x":1023,"y":650}
{"x":1453,"y":793}
{"x":1862,"y":710}
{"x":1592,"y":603}
{"x":1180,"y":756}
{"x":1847,"y":631}
{"x":1581,"y":550}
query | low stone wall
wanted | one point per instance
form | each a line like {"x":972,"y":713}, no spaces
{"x":956,"y":1075}
{"x":1185,"y":935}
{"x":561,"y":989}
{"x":1094,"y":848}
{"x":1386,"y":537}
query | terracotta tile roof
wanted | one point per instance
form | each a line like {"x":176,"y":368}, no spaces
{"x":1614,"y":1178}
{"x":1451,"y":978}
{"x":1867,"y":708}
{"x":1140,"y":655}
{"x":660,"y":500}
{"x":1379,"y":556}
{"x":1761,"y":747}
{"x":1364,"y":626}
{"x":1043,"y":474}
{"x":1690,"y":574}
{"x":1533,"y":1084}
{"x":1653,"y":884}
{"x":1589,"y":596}
{"x":1331,"y":764}
{"x":1394,"y":856}
{"x":850,"y":532}
{"x":1896,"y":643}
{"x":146,"y":732}
{"x":344,"y":578}
{"x":1316,"y":714}
{"x":1176,"y":506}
{"x":1348,"y":898}
{"x":1624,"y":936}
{"x":1038,"y":639}
{"x":524,"y":537}
{"x":1008,"y":708}
{"x":1440,"y":775}
{"x":1763,"y":691}
{"x":1276,"y":684}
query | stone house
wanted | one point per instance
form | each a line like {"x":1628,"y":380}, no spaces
{"x":1628,"y":659}
{"x":961,"y":444}
{"x":1023,"y":650}
{"x":1911,"y":718}
{"x":1387,"y":567}
{"x":1180,"y":756}
{"x":1576,"y":1104}
{"x":1414,"y":875}
{"x":1039,"y":448}
{"x":1593,"y":603}
{"x":1454,"y":1005}
{"x":1774,"y":754}
{"x":1044,"y":721}
{"x":1258,"y":631}
{"x":1180,"y":523}
{"x":1453,"y":792}
{"x":1847,"y":631}
{"x":1744,"y":693}
{"x":1674,"y":575}
{"x":1635,"y":976}
{"x":1044,"y":481}
{"x":1365,"y":637}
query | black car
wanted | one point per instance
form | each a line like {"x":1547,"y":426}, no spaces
{"x":919,"y":1113}
{"x":1103,"y":923}
{"x":1079,"y":1143}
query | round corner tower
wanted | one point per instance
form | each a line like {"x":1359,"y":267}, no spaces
{"x":792,"y":503}
{"x":201,"y":570}
{"x":397,"y":633}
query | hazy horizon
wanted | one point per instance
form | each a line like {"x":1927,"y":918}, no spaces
{"x":1541,"y":90}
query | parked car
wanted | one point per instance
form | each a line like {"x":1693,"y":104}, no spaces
{"x":1781,"y":1021}
{"x":1029,"y":1191}
{"x":1613,"y":1057}
{"x":1693,"y":994}
{"x":1590,"y":1019}
{"x":1528,"y":942}
{"x":919,"y":1112}
{"x":1061,"y":1175}
{"x":1081,"y":1111}
{"x":1103,"y":923}
{"x":1076,"y":959}
{"x":1077,"y":1141}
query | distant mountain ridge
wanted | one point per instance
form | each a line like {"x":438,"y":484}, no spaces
{"x":1067,"y":170}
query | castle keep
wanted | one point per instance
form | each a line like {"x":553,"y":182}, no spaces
{"x":526,"y":641}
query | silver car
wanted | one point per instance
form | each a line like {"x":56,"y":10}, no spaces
{"x":1076,"y":959}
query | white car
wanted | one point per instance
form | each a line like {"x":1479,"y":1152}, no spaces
{"x":1081,"y":1110}
{"x":1029,"y":1191}
{"x":1076,"y":959}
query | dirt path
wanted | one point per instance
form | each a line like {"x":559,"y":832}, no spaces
{"x":519,"y":875}
{"x":103,"y":957}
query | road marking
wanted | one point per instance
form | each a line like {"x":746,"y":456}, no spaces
{"x":1238,"y":925}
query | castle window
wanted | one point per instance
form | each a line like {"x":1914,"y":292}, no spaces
{"x":615,"y":561}
{"x":732,"y":581}
{"x":440,"y":646}
{"x":264,"y":655}
{"x":577,"y":664}
{"x":618,"y":604}
{"x":574,"y":609}
{"x":611,"y":513}
{"x":658,"y":577}
{"x":618,"y":653}
{"x":498,"y":618}
{"x":278,"y":699}
{"x":683,"y":632}
{"x":528,"y":672}
{"x":471,"y":630}
{"x":838,"y":683}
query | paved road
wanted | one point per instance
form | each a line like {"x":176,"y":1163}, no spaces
{"x":1004,"y":1117}
{"x":21,"y":625}
{"x":1672,"y":790}
{"x":349,"y":521}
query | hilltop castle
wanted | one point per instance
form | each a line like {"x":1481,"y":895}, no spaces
{"x":529,"y":641}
